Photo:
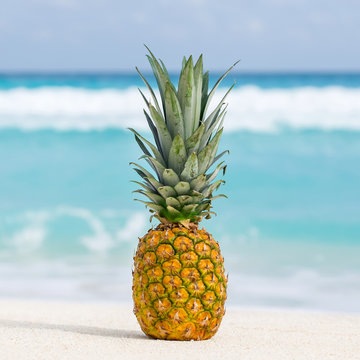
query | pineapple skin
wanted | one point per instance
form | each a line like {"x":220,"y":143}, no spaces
{"x":179,"y":283}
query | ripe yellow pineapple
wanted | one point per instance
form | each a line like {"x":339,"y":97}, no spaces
{"x":179,"y":283}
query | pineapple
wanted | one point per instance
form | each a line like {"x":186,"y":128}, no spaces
{"x":179,"y":283}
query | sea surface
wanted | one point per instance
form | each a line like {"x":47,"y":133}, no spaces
{"x":289,"y":232}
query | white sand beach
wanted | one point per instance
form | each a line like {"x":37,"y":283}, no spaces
{"x":49,"y":330}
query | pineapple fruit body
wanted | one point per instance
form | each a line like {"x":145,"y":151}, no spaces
{"x":179,"y":284}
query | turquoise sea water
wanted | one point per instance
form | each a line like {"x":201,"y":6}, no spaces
{"x":290,"y":230}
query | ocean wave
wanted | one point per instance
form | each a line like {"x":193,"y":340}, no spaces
{"x":251,"y":108}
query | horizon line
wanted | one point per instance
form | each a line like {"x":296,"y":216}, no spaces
{"x":174,"y":72}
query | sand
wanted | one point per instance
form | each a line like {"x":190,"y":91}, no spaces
{"x":49,"y":330}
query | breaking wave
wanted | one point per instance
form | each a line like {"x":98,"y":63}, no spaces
{"x":251,"y":108}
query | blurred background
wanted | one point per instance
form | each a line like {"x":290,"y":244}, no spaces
{"x":290,"y":231}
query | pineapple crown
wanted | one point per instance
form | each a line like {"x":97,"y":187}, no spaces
{"x":186,"y":143}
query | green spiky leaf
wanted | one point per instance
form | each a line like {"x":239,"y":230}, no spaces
{"x":199,"y":182}
{"x":177,"y":154}
{"x":193,"y":142}
{"x":191,"y":168}
{"x":188,"y":209}
{"x":156,"y":184}
{"x":166,"y":191}
{"x":209,"y":190}
{"x":205,"y":155}
{"x":185,"y":199}
{"x":186,"y":94}
{"x":174,"y":115}
{"x":157,"y":199}
{"x":212,"y":92}
{"x":171,"y":201}
{"x":153,"y":148}
{"x":164,"y":134}
{"x":173,"y":211}
{"x":158,"y":167}
{"x":151,"y":91}
{"x":182,"y":187}
{"x":198,"y":77}
{"x":170,"y":177}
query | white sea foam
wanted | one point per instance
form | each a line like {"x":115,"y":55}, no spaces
{"x":100,"y":241}
{"x":32,"y":234}
{"x":132,"y":228}
{"x":34,"y":227}
{"x":251,"y":108}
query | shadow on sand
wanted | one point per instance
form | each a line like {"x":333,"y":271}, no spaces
{"x":87,"y":330}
